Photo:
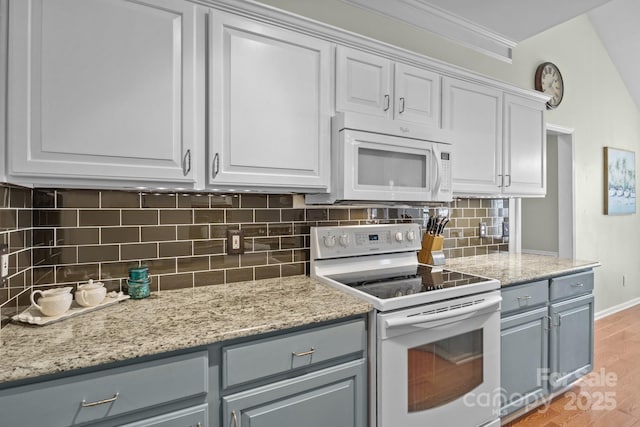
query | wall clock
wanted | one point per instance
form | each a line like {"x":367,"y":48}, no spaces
{"x":549,"y":80}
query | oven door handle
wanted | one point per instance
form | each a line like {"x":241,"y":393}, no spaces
{"x":420,"y":320}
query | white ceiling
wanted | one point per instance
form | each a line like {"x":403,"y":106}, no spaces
{"x":495,"y":27}
{"x":517,"y":20}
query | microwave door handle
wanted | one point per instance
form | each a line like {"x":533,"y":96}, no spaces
{"x":437,"y":161}
{"x":425,"y":319}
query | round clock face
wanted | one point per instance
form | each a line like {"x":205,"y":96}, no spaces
{"x":549,"y":80}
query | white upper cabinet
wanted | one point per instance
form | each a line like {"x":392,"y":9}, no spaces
{"x":104,"y":92}
{"x":499,"y":140}
{"x":363,"y":82}
{"x":473,"y":115}
{"x":270,"y":106}
{"x":371,"y":84}
{"x":417,"y":95}
{"x":524,"y":160}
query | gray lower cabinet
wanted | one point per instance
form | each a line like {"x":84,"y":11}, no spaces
{"x":331,"y":397}
{"x":525,"y":353}
{"x":312,"y":378}
{"x":110,"y":397}
{"x":546,"y":337}
{"x":196,"y":416}
{"x":571,"y":349}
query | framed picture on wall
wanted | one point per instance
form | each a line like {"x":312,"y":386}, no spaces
{"x":620,"y":181}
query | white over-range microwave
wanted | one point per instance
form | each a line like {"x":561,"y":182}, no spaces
{"x":379,"y":160}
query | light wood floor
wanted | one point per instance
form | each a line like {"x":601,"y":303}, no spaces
{"x":617,"y":352}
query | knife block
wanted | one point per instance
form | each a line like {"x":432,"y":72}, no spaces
{"x":431,"y":252}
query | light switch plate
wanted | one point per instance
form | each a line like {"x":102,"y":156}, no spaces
{"x":505,"y":229}
{"x":482,"y":229}
{"x":4,"y":261}
{"x":235,"y":242}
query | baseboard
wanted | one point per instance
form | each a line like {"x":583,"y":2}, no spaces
{"x":616,"y":308}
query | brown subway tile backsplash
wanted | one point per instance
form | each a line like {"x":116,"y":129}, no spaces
{"x":102,"y":217}
{"x":122,"y":235}
{"x":70,"y":236}
{"x":174,"y":249}
{"x":139,"y":217}
{"x":181,"y":216}
{"x":77,"y":199}
{"x":159,"y":200}
{"x":119,"y":199}
{"x":138,"y":251}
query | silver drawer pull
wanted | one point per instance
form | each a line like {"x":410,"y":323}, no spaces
{"x":526,"y":297}
{"x":234,"y":418}
{"x":305,"y":353}
{"x":99,"y":402}
{"x":578,"y":285}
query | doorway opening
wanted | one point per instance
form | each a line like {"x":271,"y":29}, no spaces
{"x":548,"y":224}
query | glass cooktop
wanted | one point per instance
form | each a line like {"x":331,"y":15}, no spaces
{"x":397,"y":282}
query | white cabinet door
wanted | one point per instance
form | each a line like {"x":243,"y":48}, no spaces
{"x":270,"y":106}
{"x":363,"y":83}
{"x":417,"y":95}
{"x":103,"y":91}
{"x":524,"y":157}
{"x":473,"y":116}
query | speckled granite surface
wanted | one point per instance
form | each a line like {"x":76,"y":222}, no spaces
{"x":169,"y":321}
{"x":511,"y":269}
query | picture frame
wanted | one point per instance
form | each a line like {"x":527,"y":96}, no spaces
{"x":619,"y":181}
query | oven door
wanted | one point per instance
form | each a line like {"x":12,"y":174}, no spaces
{"x":439,"y":364}
{"x":384,"y":167}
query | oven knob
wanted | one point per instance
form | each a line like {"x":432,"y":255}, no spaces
{"x":411,"y":236}
{"x":344,"y":240}
{"x":399,"y":236}
{"x":329,"y":241}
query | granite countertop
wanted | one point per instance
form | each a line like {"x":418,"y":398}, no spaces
{"x":170,"y":320}
{"x":511,"y":269}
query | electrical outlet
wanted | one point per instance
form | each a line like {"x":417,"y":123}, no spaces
{"x":4,"y":261}
{"x":235,"y":242}
{"x":482,"y":229}
{"x":505,"y":229}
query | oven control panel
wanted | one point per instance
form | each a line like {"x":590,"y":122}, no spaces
{"x":354,"y":240}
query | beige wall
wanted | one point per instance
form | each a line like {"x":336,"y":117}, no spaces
{"x":540,"y":215}
{"x":597,"y":105}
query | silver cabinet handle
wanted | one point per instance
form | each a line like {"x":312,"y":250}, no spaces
{"x":234,"y":418}
{"x":186,"y":163}
{"x":509,"y":184}
{"x":548,"y":327}
{"x":401,"y":106}
{"x":86,"y":404}
{"x":304,"y":353}
{"x":523,"y":300}
{"x":216,"y":165}
{"x":501,"y":178}
{"x":578,"y":285}
{"x":387,"y":104}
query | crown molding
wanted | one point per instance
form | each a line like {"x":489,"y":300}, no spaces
{"x":424,"y":15}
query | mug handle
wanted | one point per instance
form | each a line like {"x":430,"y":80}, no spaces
{"x":80,"y":296}
{"x":33,"y":301}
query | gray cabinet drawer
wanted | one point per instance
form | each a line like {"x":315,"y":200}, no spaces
{"x":190,"y":417}
{"x":271,"y":356}
{"x":123,"y":390}
{"x":572,"y":285}
{"x":331,"y":397}
{"x":529,"y":295}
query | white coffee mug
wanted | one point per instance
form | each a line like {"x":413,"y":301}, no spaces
{"x":53,"y":302}
{"x":90,"y":294}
